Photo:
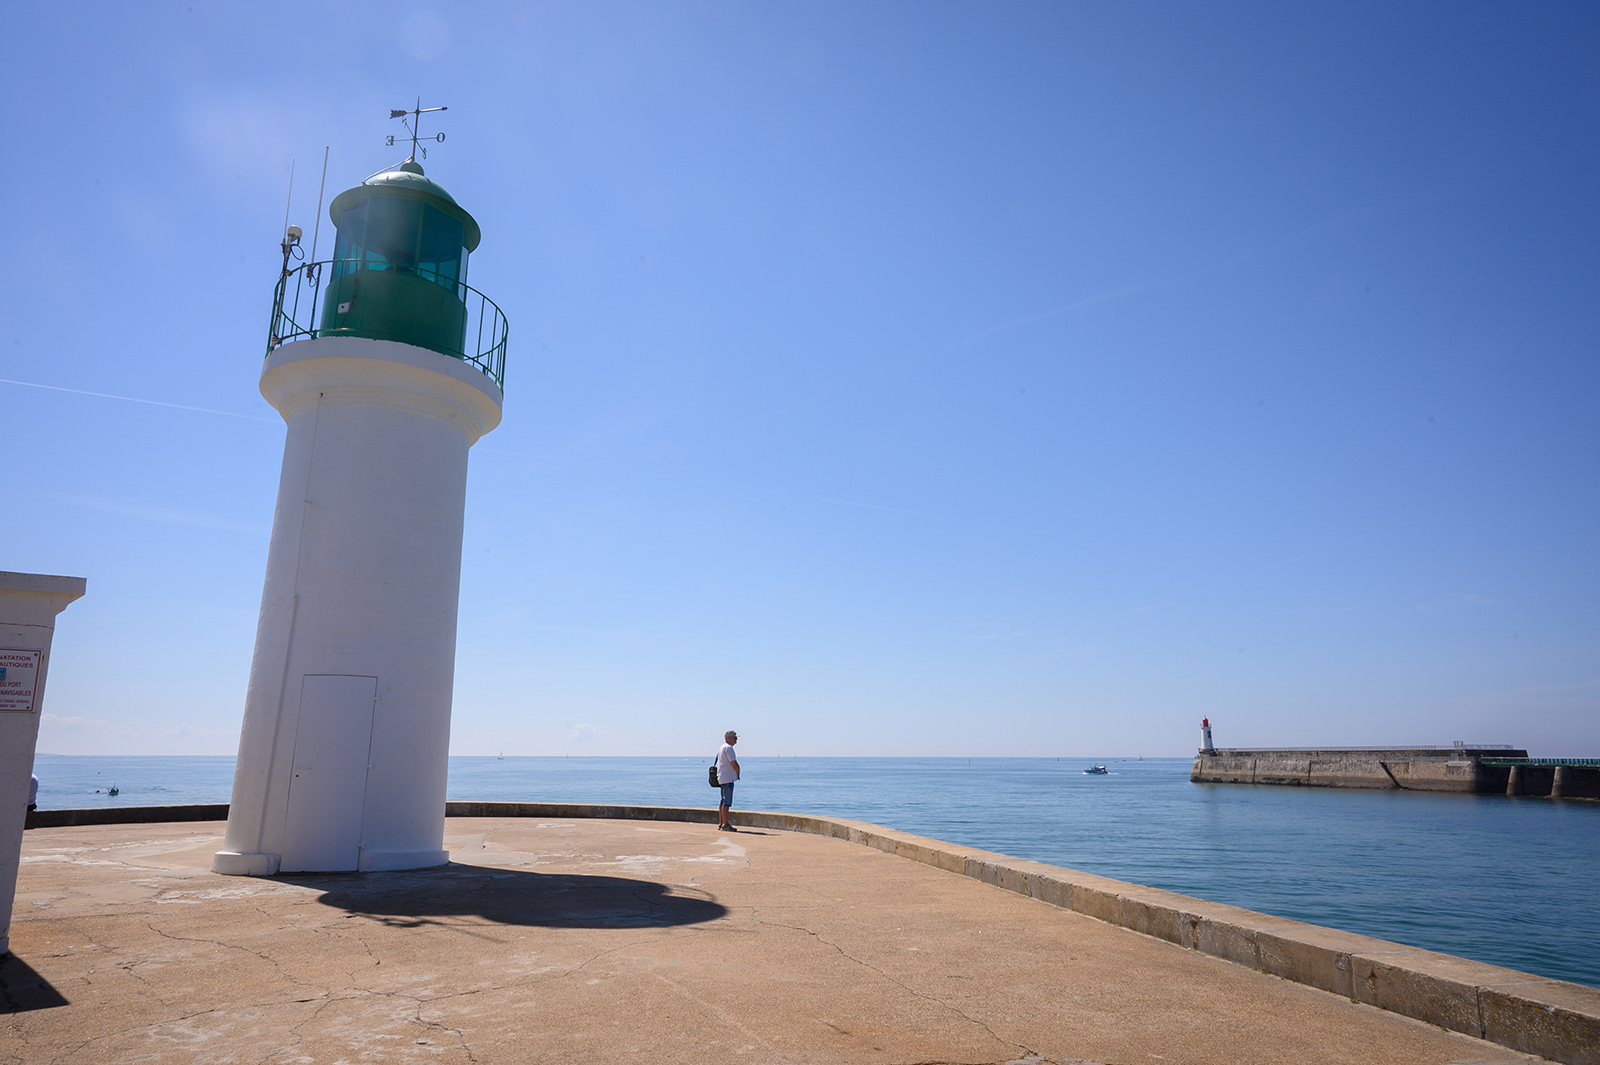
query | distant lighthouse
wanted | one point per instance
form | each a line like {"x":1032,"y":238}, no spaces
{"x":387,"y":368}
{"x":1205,"y":734}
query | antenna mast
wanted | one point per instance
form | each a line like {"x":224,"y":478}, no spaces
{"x":289,"y":199}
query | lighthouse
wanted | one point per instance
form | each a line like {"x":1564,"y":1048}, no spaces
{"x":386,"y":367}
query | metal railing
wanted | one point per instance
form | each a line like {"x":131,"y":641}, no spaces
{"x":1466,"y":748}
{"x":297,"y":307}
{"x":1581,"y":763}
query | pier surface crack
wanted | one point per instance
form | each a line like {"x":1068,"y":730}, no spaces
{"x":1027,"y":1052}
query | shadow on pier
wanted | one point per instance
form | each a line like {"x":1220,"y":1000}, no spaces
{"x":23,"y":989}
{"x":509,"y":896}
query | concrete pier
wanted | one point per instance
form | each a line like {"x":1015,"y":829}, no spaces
{"x":1457,"y":769}
{"x":557,"y":935}
{"x":1482,"y":770}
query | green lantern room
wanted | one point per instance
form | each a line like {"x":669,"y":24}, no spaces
{"x":399,"y":267}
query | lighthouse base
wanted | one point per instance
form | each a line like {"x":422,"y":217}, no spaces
{"x":377,"y":861}
{"x":233,"y":863}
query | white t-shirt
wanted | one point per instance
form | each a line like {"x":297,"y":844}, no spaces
{"x":726,"y":774}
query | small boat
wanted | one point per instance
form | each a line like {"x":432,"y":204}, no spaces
{"x":114,"y":790}
{"x":1096,"y":771}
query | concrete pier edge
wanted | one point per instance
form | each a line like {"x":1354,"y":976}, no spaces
{"x":1552,"y":1018}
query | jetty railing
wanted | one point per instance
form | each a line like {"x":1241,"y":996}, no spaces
{"x":1577,"y":762}
{"x":1387,"y":747}
{"x":297,"y":307}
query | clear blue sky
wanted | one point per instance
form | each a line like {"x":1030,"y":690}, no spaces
{"x":1017,"y":379}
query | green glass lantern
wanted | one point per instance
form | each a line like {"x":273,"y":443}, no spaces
{"x":399,"y":267}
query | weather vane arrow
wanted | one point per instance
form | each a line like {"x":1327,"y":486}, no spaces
{"x":412,"y":120}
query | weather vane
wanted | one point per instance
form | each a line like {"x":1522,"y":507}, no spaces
{"x":412,"y":120}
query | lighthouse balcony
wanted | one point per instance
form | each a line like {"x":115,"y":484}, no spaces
{"x":381,"y":300}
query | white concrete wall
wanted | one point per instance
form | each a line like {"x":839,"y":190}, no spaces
{"x":363,"y":578}
{"x":29,"y":603}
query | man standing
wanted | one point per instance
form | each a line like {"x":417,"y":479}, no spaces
{"x":727,"y":773}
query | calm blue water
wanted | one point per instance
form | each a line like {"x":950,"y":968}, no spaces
{"x":1508,"y":881}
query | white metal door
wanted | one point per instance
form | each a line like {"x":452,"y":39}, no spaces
{"x":329,"y":784}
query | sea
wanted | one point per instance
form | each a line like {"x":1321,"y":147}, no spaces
{"x":1510,"y":881}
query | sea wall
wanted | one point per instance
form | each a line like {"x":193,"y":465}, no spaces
{"x":127,"y":815}
{"x":1399,"y":768}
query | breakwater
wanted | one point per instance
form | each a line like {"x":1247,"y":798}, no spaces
{"x":1482,"y":769}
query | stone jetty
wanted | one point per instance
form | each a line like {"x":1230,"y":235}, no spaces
{"x":1496,"y":770}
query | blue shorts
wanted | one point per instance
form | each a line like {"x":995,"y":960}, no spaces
{"x":727,"y":794}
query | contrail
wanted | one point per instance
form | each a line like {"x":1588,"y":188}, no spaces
{"x":519,"y":454}
{"x":136,"y":399}
{"x":858,"y":503}
{"x":1331,"y":222}
{"x":812,"y":498}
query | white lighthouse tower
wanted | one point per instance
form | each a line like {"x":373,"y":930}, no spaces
{"x":387,"y":368}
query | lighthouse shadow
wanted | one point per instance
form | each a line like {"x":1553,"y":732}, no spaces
{"x":23,"y":989}
{"x":445,"y":894}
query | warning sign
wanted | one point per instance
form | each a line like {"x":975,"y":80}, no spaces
{"x":19,"y":679}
